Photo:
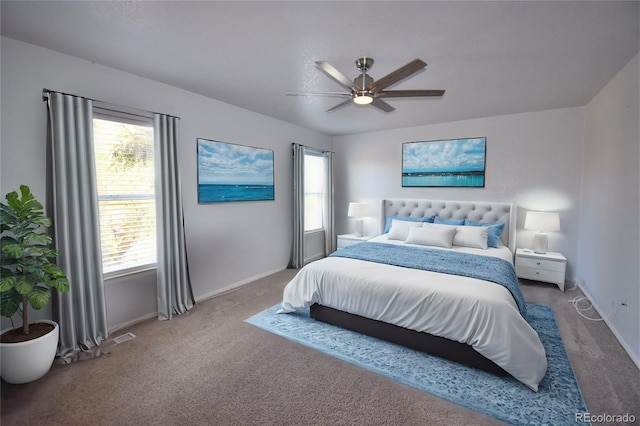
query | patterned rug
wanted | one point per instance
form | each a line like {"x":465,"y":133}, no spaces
{"x":557,"y":401}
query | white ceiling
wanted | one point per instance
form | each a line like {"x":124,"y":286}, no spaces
{"x":492,"y":58}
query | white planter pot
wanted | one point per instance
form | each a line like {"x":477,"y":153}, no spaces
{"x":27,"y":361}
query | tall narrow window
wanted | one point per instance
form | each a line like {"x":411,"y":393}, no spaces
{"x":314,"y":191}
{"x":126,"y":193}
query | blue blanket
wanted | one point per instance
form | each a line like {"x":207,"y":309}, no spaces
{"x":487,"y":268}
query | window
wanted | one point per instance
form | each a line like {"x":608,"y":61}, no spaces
{"x":126,"y":193}
{"x":314,"y":191}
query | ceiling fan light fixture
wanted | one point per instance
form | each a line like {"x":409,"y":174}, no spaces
{"x":364,"y":90}
{"x":363,"y":99}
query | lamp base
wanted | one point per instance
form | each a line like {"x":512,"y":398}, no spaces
{"x":359,"y":226}
{"x":540,"y":243}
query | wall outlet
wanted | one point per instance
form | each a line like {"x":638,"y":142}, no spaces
{"x":619,"y":307}
{"x":621,"y":304}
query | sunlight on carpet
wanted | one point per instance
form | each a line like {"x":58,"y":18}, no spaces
{"x":504,"y":398}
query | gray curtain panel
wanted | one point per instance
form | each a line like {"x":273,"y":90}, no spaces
{"x":328,"y":219}
{"x":297,"y":254}
{"x":72,"y":204}
{"x":175,"y":294}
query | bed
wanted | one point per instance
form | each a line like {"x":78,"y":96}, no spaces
{"x":438,"y":278}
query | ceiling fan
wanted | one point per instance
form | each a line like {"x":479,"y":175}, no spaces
{"x":364,"y":90}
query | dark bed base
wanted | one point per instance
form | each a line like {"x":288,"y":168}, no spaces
{"x":424,"y":342}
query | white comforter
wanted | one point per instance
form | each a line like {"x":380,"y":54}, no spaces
{"x":479,"y":313}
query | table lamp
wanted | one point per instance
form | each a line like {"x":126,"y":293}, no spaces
{"x":542,"y":222}
{"x":358,"y":210}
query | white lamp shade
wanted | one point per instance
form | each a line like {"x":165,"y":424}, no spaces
{"x":358,"y":210}
{"x":542,"y":221}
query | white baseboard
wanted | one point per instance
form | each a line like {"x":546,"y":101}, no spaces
{"x":132,"y":322}
{"x":235,"y":285}
{"x":198,"y":299}
{"x":617,"y":335}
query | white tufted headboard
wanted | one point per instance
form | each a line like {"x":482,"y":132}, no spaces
{"x":478,"y":211}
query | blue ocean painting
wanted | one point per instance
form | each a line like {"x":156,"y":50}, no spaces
{"x":230,"y":172}
{"x":453,"y":162}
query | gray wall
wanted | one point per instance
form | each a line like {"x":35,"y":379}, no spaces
{"x":228,"y":244}
{"x":608,"y":250}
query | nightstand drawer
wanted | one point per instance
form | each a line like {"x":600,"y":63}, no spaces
{"x":346,"y":240}
{"x":342,"y":243}
{"x":549,"y":265}
{"x":556,"y":277}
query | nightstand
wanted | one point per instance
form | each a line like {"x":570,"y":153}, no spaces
{"x":549,"y":267}
{"x":345,"y":240}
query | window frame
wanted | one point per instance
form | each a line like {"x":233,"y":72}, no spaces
{"x":136,"y":119}
{"x":309,"y":153}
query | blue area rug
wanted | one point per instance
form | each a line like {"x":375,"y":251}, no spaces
{"x":504,"y":398}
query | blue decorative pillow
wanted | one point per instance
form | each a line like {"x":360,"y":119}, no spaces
{"x":442,"y":221}
{"x":387,"y":224}
{"x":495,"y":231}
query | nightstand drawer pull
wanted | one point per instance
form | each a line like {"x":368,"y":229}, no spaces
{"x":550,"y":265}
{"x":540,"y":275}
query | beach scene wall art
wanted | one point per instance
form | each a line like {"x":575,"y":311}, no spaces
{"x":450,"y":162}
{"x":230,"y":172}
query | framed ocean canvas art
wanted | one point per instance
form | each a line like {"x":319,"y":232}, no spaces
{"x":451,"y":163}
{"x":230,"y":172}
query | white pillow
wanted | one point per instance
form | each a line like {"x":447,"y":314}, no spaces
{"x":471,"y":236}
{"x":400,"y":229}
{"x":431,"y":234}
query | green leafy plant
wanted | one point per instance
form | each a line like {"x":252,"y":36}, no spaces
{"x":27,"y":273}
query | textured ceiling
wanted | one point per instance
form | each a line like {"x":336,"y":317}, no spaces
{"x":492,"y":58}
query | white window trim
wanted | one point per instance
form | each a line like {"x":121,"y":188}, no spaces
{"x":105,"y":113}
{"x":319,"y":154}
{"x":129,"y":271}
{"x":314,"y":231}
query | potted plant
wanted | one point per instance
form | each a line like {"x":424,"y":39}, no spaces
{"x":26,"y":277}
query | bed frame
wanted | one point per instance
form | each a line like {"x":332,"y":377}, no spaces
{"x":425,"y":342}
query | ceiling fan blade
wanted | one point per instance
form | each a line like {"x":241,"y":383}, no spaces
{"x":410,"y":93}
{"x":397,"y":75}
{"x":340,"y":105}
{"x":335,"y":75}
{"x":329,"y":94}
{"x":379,"y":103}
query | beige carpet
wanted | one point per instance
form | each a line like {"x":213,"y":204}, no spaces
{"x":208,"y":367}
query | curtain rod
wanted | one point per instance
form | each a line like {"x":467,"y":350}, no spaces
{"x":107,"y":105}
{"x":309,"y":148}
